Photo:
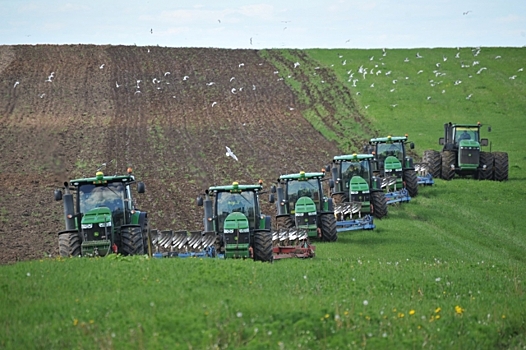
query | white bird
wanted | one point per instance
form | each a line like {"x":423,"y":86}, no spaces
{"x":214,"y":103}
{"x":392,"y":90}
{"x":367,"y":106}
{"x":210,"y":83}
{"x":229,"y":153}
{"x":360,"y":70}
{"x":428,"y":98}
{"x":41,"y":95}
{"x":394,"y":81}
{"x":469,"y":96}
{"x":458,"y":82}
{"x":371,"y":71}
{"x":253,"y":87}
{"x":101,"y":66}
{"x":241,"y":65}
{"x":276,"y":72}
{"x":513,"y":77}
{"x":50,"y":77}
{"x":457,"y":55}
{"x":16,"y":83}
{"x":497,"y":57}
{"x":291,"y":108}
{"x":475,"y":63}
{"x":186,"y":77}
{"x":154,"y":80}
{"x":520,"y":69}
{"x":420,"y":71}
{"x":232,"y":79}
{"x":137,"y":92}
{"x":296,"y":64}
{"x":117,"y":85}
{"x":481,"y":69}
{"x":438,"y":65}
{"x":396,"y":104}
{"x":358,"y":93}
{"x":444,"y":58}
{"x":406,"y":59}
{"x":372,"y":85}
{"x":443,"y":91}
{"x":233,"y":90}
{"x":166,"y":73}
{"x":388,"y":73}
{"x":354,"y":82}
{"x":418,"y":55}
{"x":371,"y":58}
{"x":344,"y":62}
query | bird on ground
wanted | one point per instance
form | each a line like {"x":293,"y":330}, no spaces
{"x":137,"y":92}
{"x":358,"y":93}
{"x":367,"y":106}
{"x":210,"y":83}
{"x":444,"y":58}
{"x":166,"y":73}
{"x":497,"y":57}
{"x":513,"y":77}
{"x":16,"y":83}
{"x":481,"y":69}
{"x":438,"y":65}
{"x":457,"y":55}
{"x":469,"y":96}
{"x":475,"y":63}
{"x":372,"y":85}
{"x":520,"y":69}
{"x":394,"y":81}
{"x":420,"y":71}
{"x":428,"y":98}
{"x":229,"y":153}
{"x":233,"y":90}
{"x":388,"y":73}
{"x":344,"y":62}
{"x":458,"y":82}
{"x":371,"y":58}
{"x":41,"y":95}
{"x":214,"y":103}
{"x":443,"y":91}
{"x":101,"y":66}
{"x":253,"y":87}
{"x":241,"y":65}
{"x":117,"y":85}
{"x":396,"y":104}
{"x":406,"y":59}
{"x":296,"y":64}
{"x":291,"y":108}
{"x":186,"y":77}
{"x":418,"y":55}
{"x":392,"y":90}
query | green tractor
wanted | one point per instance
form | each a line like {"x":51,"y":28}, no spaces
{"x":301,"y":206}
{"x":234,"y":227}
{"x":357,"y":194}
{"x":105,"y":220}
{"x":462,"y":155}
{"x":394,"y":166}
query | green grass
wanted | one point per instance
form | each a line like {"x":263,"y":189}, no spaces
{"x":446,"y":270}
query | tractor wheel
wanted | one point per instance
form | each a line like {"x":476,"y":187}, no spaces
{"x":284,"y":222}
{"x":434,"y":162}
{"x":328,"y":228}
{"x":411,"y":182}
{"x":69,"y":244}
{"x":339,"y":198}
{"x":448,"y":160}
{"x":501,"y":166}
{"x":263,"y":246}
{"x":379,"y":204}
{"x":486,"y":159}
{"x":132,"y":241}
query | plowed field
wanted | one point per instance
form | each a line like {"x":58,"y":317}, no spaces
{"x":166,"y":112}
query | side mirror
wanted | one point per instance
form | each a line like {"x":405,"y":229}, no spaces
{"x":58,"y":195}
{"x":327,"y":168}
{"x":199,"y":201}
{"x":441,"y":141}
{"x":271,"y":198}
{"x":273,"y":189}
{"x":484,"y":142}
{"x":331,"y":183}
{"x":412,"y":145}
{"x":140,"y":187}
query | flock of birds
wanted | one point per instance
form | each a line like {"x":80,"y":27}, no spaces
{"x":438,"y":72}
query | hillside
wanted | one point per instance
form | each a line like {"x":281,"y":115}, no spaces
{"x":166,"y":112}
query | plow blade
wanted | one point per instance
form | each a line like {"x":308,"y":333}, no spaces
{"x":347,"y":209}
{"x":423,"y":175}
{"x":397,"y":196}
{"x":291,"y":243}
{"x":365,"y":223}
{"x":168,"y":243}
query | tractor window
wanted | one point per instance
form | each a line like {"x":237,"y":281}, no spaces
{"x":110,"y":196}
{"x":305,"y":188}
{"x":243,"y":202}
{"x":350,"y":169}
{"x":390,"y":149}
{"x":466,"y":133}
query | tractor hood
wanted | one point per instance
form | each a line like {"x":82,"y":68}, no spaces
{"x":236,"y":221}
{"x":97,"y":216}
{"x":358,"y":184}
{"x":392,"y":163}
{"x":305,"y":205}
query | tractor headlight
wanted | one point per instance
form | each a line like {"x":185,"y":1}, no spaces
{"x":105,"y":224}
{"x":86,"y":226}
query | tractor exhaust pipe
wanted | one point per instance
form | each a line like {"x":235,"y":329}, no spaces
{"x":209,"y":214}
{"x":280,"y":204}
{"x":69,"y":208}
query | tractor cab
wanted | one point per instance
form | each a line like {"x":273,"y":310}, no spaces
{"x":303,"y":190}
{"x":390,"y":153}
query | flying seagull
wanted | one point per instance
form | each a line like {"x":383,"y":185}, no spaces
{"x":229,"y":153}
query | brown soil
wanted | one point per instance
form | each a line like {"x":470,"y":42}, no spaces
{"x":170,"y":132}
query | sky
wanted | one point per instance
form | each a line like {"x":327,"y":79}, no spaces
{"x":266,"y":23}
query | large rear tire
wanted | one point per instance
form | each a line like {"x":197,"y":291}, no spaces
{"x":411,"y":182}
{"x":328,"y":228}
{"x":434,"y":162}
{"x":448,"y":163}
{"x":132,"y":241}
{"x":284,"y":222}
{"x":69,"y":244}
{"x":379,"y":204}
{"x":501,"y":166}
{"x":263,"y":246}
{"x":486,"y":159}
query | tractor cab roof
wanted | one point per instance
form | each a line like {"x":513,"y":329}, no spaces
{"x":101,"y":179}
{"x":388,"y":139}
{"x":352,"y":157}
{"x":235,"y":188}
{"x":466,"y":125}
{"x":302,"y":176}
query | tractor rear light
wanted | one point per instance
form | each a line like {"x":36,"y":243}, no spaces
{"x":69,"y":216}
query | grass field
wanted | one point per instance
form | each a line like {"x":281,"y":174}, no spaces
{"x":444,"y":271}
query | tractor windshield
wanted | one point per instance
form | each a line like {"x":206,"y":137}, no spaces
{"x":110,"y":196}
{"x":466,"y":133}
{"x":350,"y":169}
{"x":383,"y":150}
{"x":243,"y":202}
{"x":304,"y":188}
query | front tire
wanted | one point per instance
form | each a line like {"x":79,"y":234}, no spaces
{"x":69,"y":244}
{"x":379,"y":204}
{"x":284,"y":222}
{"x":434,"y":162}
{"x":486,"y":159}
{"x":501,"y":166}
{"x":411,"y":182}
{"x":448,"y":164}
{"x":328,"y":228}
{"x":132,"y":241}
{"x":263,"y":246}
